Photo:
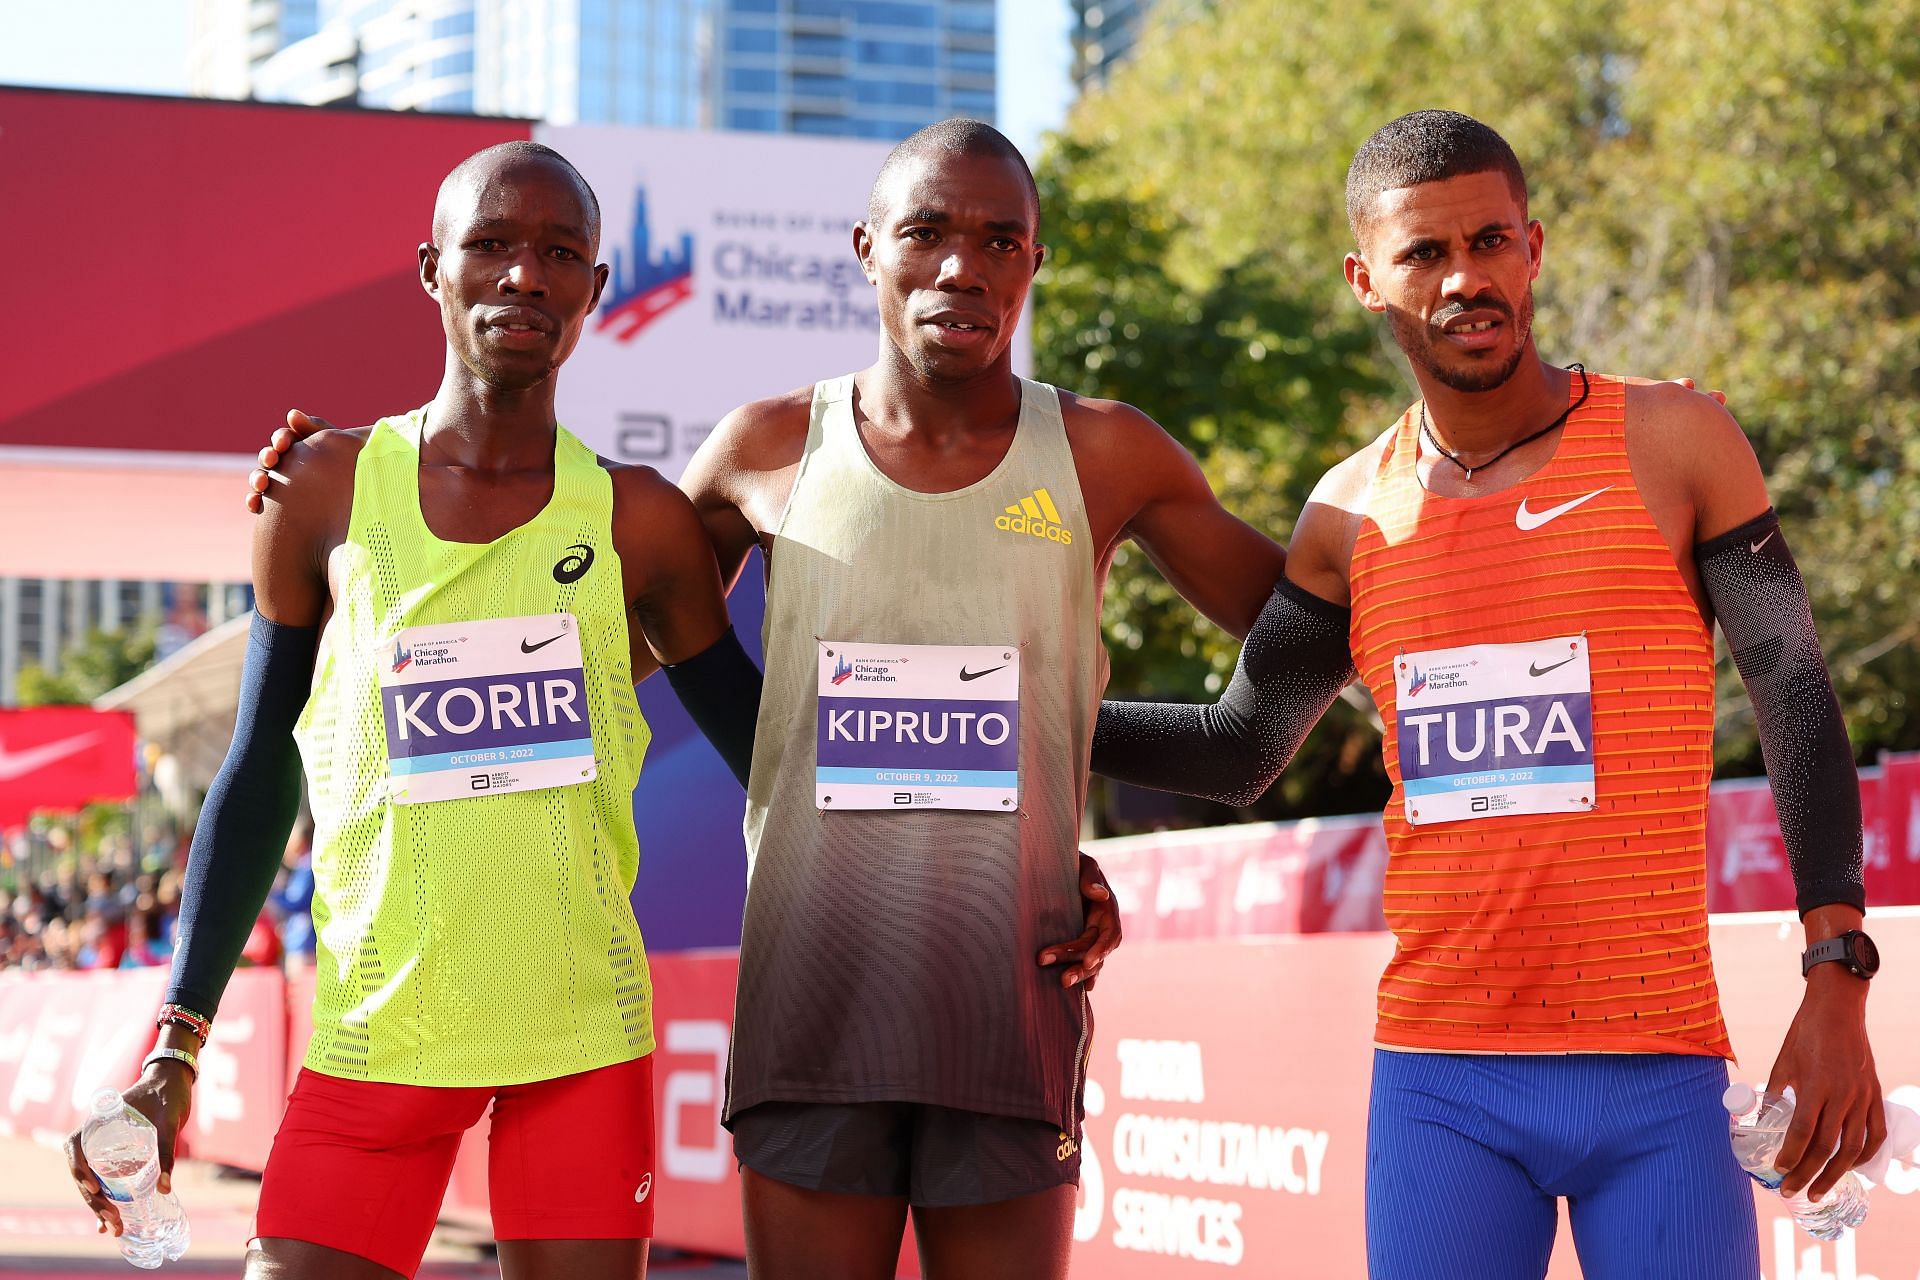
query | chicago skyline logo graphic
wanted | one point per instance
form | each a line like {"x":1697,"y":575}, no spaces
{"x":642,"y":287}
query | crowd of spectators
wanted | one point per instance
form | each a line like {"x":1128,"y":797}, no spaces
{"x":117,"y":908}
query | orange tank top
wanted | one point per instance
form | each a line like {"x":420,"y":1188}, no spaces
{"x":1582,"y":928}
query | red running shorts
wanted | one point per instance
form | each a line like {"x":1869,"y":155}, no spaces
{"x":362,"y":1167}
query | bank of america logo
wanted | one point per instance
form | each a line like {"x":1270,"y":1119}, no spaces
{"x":1036,"y":517}
{"x":841,"y":670}
{"x":402,"y":656}
{"x":644,"y":287}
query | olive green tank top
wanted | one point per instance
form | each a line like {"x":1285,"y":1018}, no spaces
{"x":485,"y":939}
{"x":889,"y":955}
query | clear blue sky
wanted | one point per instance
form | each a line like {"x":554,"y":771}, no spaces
{"x":141,"y":46}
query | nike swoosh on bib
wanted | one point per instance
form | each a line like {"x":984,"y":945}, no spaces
{"x":975,"y":675}
{"x":18,"y":764}
{"x":527,"y":647}
{"x":1529,"y":520}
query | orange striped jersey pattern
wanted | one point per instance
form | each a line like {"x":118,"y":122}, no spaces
{"x":1553,"y":932}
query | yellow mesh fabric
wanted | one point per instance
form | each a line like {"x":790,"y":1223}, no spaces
{"x":489,"y":940}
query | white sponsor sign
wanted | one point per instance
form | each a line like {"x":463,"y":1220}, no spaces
{"x":486,"y":708}
{"x":733,"y":279}
{"x":1489,"y":730}
{"x":918,"y":726}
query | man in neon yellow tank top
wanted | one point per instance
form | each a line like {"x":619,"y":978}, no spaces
{"x":487,"y":588}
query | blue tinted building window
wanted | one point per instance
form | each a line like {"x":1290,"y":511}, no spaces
{"x":752,"y":80}
{"x":454,"y":64}
{"x":972,"y":102}
{"x":753,"y":40}
{"x":752,"y":118}
{"x":899,"y":53}
{"x":895,"y":93}
{"x":453,"y":24}
{"x":971,"y":18}
{"x":753,"y":6}
{"x":894,"y":15}
{"x":812,"y":46}
{"x":976,"y":60}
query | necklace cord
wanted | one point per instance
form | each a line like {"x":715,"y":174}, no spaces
{"x":1426,"y":428}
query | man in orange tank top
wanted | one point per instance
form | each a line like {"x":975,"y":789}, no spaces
{"x":1526,"y":569}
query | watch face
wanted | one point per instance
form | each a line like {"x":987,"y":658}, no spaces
{"x":1866,"y":956}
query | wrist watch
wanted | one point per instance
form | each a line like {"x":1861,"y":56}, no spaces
{"x":1853,"y":949}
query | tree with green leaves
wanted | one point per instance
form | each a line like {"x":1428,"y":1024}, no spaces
{"x":1728,"y":194}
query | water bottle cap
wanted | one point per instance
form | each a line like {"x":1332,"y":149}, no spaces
{"x":1739,"y":1098}
{"x":107,"y":1102}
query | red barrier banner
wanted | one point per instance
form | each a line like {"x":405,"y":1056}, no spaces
{"x":1321,"y":875}
{"x":64,"y":1035}
{"x":1227,"y":1098}
{"x":1894,"y":875}
{"x":62,"y":759}
{"x":240,"y":1093}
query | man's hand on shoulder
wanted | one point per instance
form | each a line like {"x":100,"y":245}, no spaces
{"x":303,"y":518}
{"x":299,"y":427}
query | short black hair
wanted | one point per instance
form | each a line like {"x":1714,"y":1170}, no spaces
{"x":507,"y":153}
{"x":955,"y":136}
{"x":1426,"y":146}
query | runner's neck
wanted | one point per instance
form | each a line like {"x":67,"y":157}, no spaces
{"x":477,"y":426}
{"x":901,"y":404}
{"x":1479,"y":424}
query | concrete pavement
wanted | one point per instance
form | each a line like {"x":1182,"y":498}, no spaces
{"x":46,"y":1231}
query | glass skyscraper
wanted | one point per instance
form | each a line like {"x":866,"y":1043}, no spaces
{"x":1103,"y":34}
{"x":858,"y":68}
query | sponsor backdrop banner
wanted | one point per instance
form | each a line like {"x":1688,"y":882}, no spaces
{"x":733,"y":278}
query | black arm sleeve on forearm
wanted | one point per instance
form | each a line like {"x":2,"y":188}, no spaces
{"x":1294,"y":664}
{"x":250,"y":809}
{"x":720,"y":688}
{"x":1761,"y":601}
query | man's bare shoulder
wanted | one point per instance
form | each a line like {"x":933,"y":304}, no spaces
{"x":1669,"y":418}
{"x":764,"y":435}
{"x":1344,"y":486}
{"x":1094,"y":414}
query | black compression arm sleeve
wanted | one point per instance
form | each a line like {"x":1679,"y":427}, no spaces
{"x":1761,"y":601}
{"x":720,"y":688}
{"x":1294,"y":664}
{"x":243,"y":826}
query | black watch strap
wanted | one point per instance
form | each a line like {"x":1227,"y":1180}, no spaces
{"x":1861,"y":960}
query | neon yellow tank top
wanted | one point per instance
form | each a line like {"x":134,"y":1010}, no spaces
{"x":489,"y":939}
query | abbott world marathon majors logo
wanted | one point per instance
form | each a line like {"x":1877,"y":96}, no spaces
{"x":1230,"y":1165}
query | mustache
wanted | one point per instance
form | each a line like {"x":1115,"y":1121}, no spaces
{"x":1452,"y":311}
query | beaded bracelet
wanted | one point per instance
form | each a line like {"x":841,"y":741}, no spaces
{"x":180,"y":1016}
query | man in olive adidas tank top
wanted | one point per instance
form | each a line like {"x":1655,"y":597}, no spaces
{"x":487,"y":588}
{"x":938,"y":532}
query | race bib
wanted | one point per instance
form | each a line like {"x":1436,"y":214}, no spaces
{"x":1490,"y":730}
{"x":918,"y":726}
{"x":483,"y":708}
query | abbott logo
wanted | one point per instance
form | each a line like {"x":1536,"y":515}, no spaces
{"x":696,"y":1151}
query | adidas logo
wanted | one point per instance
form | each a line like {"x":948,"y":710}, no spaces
{"x":1037,"y":517}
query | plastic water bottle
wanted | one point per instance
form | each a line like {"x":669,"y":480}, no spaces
{"x":125,"y":1154}
{"x":1759,"y":1127}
